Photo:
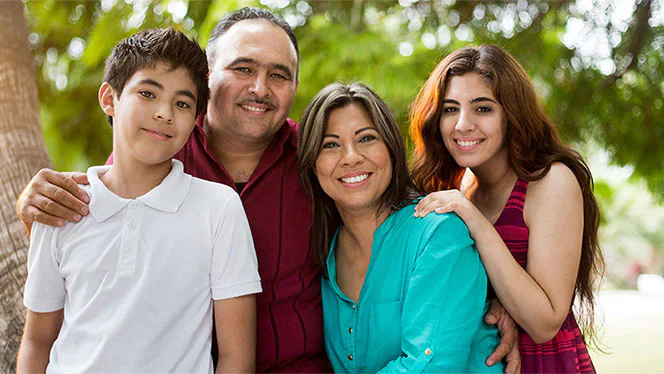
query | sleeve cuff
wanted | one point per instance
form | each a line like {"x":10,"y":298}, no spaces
{"x":252,"y":287}
{"x":43,"y":306}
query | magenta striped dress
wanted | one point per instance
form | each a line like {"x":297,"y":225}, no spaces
{"x":566,"y":352}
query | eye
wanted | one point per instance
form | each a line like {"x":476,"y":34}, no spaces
{"x":279,"y":76}
{"x":329,"y":145}
{"x":367,"y":138}
{"x":182,"y":105}
{"x":450,"y":109}
{"x":146,"y":94}
{"x":242,"y":69}
{"x":484,"y":109}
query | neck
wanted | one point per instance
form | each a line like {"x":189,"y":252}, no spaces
{"x":240,"y":157}
{"x":359,"y":227}
{"x":132,"y":181}
{"x":494,"y":179}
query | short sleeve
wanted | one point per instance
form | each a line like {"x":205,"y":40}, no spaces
{"x":45,"y":286}
{"x":234,"y":269}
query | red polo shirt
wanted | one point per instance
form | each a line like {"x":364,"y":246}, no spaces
{"x":290,"y":317}
{"x":289,"y":310}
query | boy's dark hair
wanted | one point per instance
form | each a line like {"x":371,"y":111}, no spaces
{"x":144,"y":49}
{"x":249,"y":13}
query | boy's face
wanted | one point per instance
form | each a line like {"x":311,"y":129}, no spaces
{"x":154,"y":115}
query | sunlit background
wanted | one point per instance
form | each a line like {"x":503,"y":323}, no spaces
{"x":597,"y":64}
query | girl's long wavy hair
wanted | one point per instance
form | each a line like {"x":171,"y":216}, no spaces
{"x":532,"y":141}
{"x":400,"y":192}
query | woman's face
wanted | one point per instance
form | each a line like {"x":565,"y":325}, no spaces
{"x":472,"y":123}
{"x":353,"y":166}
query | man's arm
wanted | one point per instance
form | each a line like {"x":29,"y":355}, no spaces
{"x":41,"y":330}
{"x":235,"y":321}
{"x":508,"y":347}
{"x":53,"y":198}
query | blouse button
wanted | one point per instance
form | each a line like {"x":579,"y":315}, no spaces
{"x":350,"y":357}
{"x":427,"y":351}
{"x":350,"y":330}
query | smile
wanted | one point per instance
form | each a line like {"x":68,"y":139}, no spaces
{"x":468,"y":143}
{"x":253,"y":108}
{"x":355,"y":179}
{"x":158,"y":135}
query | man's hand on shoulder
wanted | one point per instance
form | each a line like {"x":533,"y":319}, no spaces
{"x":52,"y":198}
{"x":508,"y":347}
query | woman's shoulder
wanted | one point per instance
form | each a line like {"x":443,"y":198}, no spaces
{"x":434,"y":226}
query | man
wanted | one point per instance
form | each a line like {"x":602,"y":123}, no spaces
{"x":246,"y":141}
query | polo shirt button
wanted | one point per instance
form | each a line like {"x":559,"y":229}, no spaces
{"x":131,"y":225}
{"x":133,"y":204}
{"x":128,"y":251}
{"x":427,"y":351}
{"x":350,"y":357}
{"x":350,"y":330}
{"x":353,"y":306}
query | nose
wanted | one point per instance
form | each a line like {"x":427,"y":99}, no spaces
{"x":351,"y":157}
{"x":465,"y":123}
{"x":164,"y":113}
{"x":258,"y":86}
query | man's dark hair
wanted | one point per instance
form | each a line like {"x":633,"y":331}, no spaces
{"x":249,"y":13}
{"x":145,"y":49}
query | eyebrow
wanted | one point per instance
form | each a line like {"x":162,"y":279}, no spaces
{"x":247,"y":60}
{"x":158,"y":85}
{"x":356,"y":132}
{"x":365,"y":128}
{"x":473,"y":101}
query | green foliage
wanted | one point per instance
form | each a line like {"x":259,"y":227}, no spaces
{"x":392,"y":47}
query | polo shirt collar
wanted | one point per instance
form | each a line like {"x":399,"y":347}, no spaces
{"x":167,"y":197}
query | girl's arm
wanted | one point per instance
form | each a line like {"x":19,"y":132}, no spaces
{"x":538,"y":298}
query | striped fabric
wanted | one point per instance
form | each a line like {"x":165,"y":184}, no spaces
{"x":566,"y":352}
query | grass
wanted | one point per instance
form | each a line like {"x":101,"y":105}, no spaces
{"x":633,"y":332}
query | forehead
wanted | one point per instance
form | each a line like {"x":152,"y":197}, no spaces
{"x":468,"y":85}
{"x":259,"y":40}
{"x":164,"y":74}
{"x":348,"y":117}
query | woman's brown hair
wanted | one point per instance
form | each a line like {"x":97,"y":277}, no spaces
{"x":532,"y":141}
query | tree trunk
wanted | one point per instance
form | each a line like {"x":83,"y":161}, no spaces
{"x":22,"y":154}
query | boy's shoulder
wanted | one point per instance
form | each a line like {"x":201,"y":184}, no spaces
{"x":206,"y":190}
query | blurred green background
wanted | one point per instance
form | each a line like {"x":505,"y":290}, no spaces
{"x":597,"y":64}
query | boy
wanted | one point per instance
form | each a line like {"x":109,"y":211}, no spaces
{"x":134,"y":285}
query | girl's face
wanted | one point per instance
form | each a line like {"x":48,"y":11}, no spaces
{"x":472,"y":123}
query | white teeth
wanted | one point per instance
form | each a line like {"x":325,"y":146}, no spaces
{"x":355,"y":179}
{"x":253,"y":108}
{"x":468,"y":143}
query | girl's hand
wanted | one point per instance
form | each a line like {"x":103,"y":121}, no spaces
{"x":451,"y":201}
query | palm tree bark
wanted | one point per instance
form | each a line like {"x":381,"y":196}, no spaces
{"x":22,"y":154}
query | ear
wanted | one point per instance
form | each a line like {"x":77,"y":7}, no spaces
{"x":107,"y":99}
{"x":297,"y":84}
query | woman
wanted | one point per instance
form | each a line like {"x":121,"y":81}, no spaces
{"x":531,"y":211}
{"x":399,"y":293}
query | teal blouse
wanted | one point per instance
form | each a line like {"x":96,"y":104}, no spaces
{"x":421,"y":306}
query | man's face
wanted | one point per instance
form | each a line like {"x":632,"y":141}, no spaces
{"x":252,"y":82}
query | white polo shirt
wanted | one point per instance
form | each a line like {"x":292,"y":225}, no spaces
{"x":137,"y":278}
